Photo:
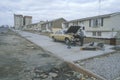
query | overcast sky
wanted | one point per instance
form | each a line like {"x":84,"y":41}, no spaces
{"x":52,"y":9}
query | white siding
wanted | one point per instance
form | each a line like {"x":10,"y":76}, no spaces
{"x":105,"y":27}
{"x":111,"y":24}
{"x":115,"y":22}
{"x":81,"y":23}
{"x":86,"y":24}
{"x":70,"y":24}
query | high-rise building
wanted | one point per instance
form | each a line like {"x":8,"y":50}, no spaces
{"x":27,"y":20}
{"x":18,"y":21}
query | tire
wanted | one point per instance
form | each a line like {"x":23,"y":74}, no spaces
{"x":53,"y":39}
{"x":67,"y":41}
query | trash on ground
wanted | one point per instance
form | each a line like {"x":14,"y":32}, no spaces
{"x":93,"y":46}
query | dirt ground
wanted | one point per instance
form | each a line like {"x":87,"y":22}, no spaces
{"x":23,"y":60}
{"x":18,"y":54}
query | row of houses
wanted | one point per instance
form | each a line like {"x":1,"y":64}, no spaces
{"x":102,"y":26}
{"x":105,"y":26}
{"x":46,"y":26}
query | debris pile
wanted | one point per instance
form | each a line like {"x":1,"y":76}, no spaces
{"x":55,"y":72}
{"x":94,"y":46}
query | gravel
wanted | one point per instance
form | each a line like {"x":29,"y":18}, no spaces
{"x":106,"y":66}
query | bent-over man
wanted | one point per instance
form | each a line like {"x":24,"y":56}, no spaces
{"x":81,"y":37}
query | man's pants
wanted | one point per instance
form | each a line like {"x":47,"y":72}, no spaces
{"x":81,"y":41}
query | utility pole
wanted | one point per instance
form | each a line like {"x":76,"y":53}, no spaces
{"x":99,"y":9}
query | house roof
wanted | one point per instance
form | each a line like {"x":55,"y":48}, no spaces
{"x":99,"y":16}
{"x":35,"y":23}
{"x":53,"y":20}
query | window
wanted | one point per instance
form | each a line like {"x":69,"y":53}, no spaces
{"x":80,"y":23}
{"x":58,"y":32}
{"x":97,"y":22}
{"x":90,"y":23}
{"x":101,"y":21}
{"x":94,"y":33}
{"x":99,"y":33}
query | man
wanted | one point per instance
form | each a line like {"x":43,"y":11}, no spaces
{"x":81,"y":36}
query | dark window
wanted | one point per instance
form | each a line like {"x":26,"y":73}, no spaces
{"x":97,"y":22}
{"x":90,"y":23}
{"x":94,"y":33}
{"x":99,"y":33}
{"x":101,"y":21}
{"x":83,"y":28}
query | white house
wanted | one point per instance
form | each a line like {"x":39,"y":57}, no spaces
{"x":102,"y":26}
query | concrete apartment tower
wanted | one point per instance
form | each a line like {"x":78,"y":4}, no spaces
{"x":27,"y":20}
{"x":18,"y":21}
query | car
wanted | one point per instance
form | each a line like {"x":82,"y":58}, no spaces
{"x":61,"y":36}
{"x":68,"y":36}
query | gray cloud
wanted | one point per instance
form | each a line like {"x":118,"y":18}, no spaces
{"x":51,"y":9}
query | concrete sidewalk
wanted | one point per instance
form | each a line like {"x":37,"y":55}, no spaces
{"x":61,"y":50}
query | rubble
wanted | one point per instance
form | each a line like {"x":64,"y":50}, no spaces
{"x":94,"y":46}
{"x":59,"y":72}
{"x":53,"y":74}
{"x":56,"y":72}
{"x":89,"y":48}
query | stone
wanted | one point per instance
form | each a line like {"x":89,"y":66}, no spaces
{"x":78,"y":76}
{"x":36,"y":79}
{"x":93,"y":78}
{"x":53,"y":74}
{"x":89,"y":79}
{"x":76,"y":73}
{"x":49,"y":78}
{"x":82,"y":63}
{"x":61,"y":65}
{"x":44,"y":76}
{"x":67,"y":75}
{"x":77,"y":61}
